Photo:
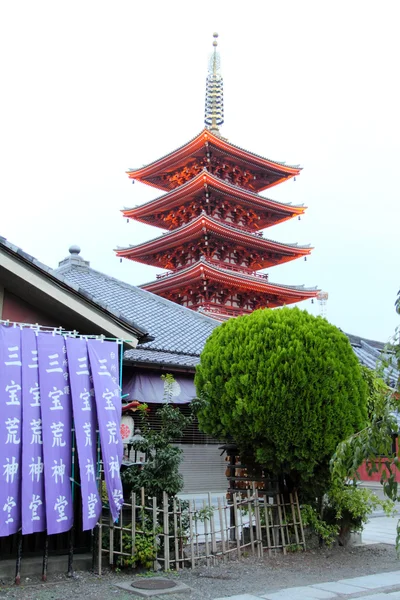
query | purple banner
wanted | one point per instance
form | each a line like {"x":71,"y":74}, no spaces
{"x":56,"y":422}
{"x":104,"y":367}
{"x":85,"y":421}
{"x":33,"y":500}
{"x":10,"y":429}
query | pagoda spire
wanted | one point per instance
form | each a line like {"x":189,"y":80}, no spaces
{"x":214,"y":105}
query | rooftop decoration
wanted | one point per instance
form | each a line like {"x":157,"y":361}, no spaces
{"x":214,"y":214}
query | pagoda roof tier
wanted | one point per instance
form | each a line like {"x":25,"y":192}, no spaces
{"x":202,"y":273}
{"x":190,"y":199}
{"x":219,"y":156}
{"x":209,"y":236}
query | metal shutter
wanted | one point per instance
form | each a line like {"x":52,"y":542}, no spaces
{"x":203,"y":469}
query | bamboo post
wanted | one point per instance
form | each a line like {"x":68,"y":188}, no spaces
{"x":221,"y":521}
{"x":191,"y":534}
{"x":155,"y":525}
{"x":296,"y":533}
{"x":207,"y":545}
{"x":300,"y":520}
{"x":266,"y":508}
{"x":227,"y":508}
{"x":100,"y":546}
{"x":166,"y":531}
{"x":176,"y":536}
{"x":196,"y":533}
{"x":212,"y":527}
{"x":278,"y":500}
{"x":181,"y":556}
{"x":250,"y":521}
{"x":121,"y":531}
{"x":257,"y":517}
{"x":46,"y":558}
{"x":111,"y":555}
{"x":235,"y":511}
{"x":133,"y":523}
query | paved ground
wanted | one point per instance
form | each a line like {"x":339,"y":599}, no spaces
{"x":381,"y":586}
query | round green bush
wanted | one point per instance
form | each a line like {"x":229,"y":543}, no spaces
{"x":285,"y":386}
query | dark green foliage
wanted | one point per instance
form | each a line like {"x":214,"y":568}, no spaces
{"x":160,"y":473}
{"x":286,"y":387}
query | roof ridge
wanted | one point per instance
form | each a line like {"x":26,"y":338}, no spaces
{"x":154,"y":297}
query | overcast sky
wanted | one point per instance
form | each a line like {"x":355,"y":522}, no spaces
{"x":90,"y":89}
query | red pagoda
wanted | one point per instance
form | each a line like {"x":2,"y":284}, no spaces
{"x":214,"y":214}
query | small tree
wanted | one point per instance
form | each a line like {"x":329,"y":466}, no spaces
{"x":286,"y":387}
{"x":161,"y":471}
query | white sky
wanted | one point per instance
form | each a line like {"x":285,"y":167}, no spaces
{"x":92,"y":88}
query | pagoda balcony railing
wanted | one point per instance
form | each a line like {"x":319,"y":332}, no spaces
{"x":221,"y":265}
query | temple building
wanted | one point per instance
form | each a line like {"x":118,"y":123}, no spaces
{"x":214,"y":215}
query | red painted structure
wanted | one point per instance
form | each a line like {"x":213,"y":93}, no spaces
{"x":214,"y":214}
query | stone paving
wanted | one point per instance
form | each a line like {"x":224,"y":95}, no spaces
{"x":381,"y":586}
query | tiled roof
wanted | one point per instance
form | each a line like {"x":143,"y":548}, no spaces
{"x":74,"y":287}
{"x":371,"y":356}
{"x":175,"y":329}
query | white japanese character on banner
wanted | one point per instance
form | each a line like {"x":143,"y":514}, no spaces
{"x":12,"y":391}
{"x":87,"y":428}
{"x":108,"y":396}
{"x":85,"y":395}
{"x":65,"y":375}
{"x":67,"y":390}
{"x":82,"y":366}
{"x":114,"y":466}
{"x":118,"y":498}
{"x":35,"y":391}
{"x":57,"y":429}
{"x":60,"y":506}
{"x":54,"y":364}
{"x":103,"y":367}
{"x":58,"y":471}
{"x":34,"y":359}
{"x":34,"y":505}
{"x":36,"y":428}
{"x":9,"y":505}
{"x":36,"y":469}
{"x":10,"y":469}
{"x":113,"y":368}
{"x":14,"y":357}
{"x":92,"y":501}
{"x":55,"y":396}
{"x":89,"y":469}
{"x":112,"y":430}
{"x":12,"y":426}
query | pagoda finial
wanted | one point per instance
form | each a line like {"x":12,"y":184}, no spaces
{"x":214,"y":108}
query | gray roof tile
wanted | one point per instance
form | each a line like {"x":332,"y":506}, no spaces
{"x":175,"y":328}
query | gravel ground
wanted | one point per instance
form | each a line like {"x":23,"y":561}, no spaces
{"x":235,"y":577}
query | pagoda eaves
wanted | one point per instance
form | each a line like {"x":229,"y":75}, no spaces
{"x":208,"y":192}
{"x":225,"y":290}
{"x":218,"y":241}
{"x":210,"y":151}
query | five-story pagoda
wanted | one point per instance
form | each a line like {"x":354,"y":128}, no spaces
{"x":214,"y":215}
